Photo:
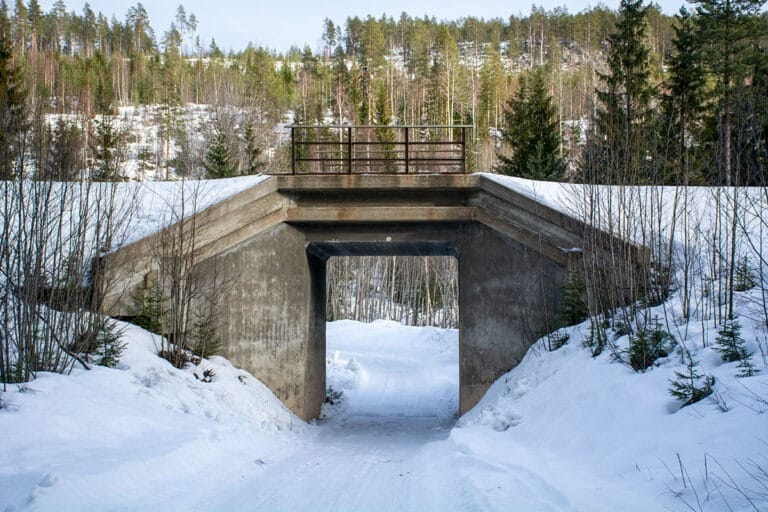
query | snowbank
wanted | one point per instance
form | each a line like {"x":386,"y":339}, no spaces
{"x":96,"y":439}
{"x":599,"y":429}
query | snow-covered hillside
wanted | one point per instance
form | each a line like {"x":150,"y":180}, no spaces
{"x":562,"y":431}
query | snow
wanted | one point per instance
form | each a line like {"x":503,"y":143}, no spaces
{"x":128,"y":437}
{"x":160,"y":204}
{"x":563,"y":431}
{"x":376,"y":366}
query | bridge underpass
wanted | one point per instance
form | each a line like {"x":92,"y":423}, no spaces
{"x":272,"y":243}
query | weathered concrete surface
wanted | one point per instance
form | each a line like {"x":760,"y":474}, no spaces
{"x":272,"y":243}
{"x":509,"y":295}
{"x":267,"y":319}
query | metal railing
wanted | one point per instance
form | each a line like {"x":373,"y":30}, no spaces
{"x":434,"y":149}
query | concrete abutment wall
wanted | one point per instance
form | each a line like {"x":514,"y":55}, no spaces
{"x":273,"y":315}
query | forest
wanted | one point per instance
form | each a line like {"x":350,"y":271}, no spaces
{"x":667,"y":86}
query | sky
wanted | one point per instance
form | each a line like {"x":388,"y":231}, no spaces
{"x":279,"y":25}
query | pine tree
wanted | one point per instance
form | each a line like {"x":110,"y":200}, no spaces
{"x":219,"y":162}
{"x":691,"y":386}
{"x":491,"y":92}
{"x":531,"y":130}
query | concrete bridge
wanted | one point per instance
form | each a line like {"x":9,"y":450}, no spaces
{"x":273,"y":240}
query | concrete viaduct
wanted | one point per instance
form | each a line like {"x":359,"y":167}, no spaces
{"x":272,"y":241}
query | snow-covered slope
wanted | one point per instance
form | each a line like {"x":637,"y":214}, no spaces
{"x":562,"y":431}
{"x":157,"y":204}
{"x":137,"y":437}
{"x":610,"y":438}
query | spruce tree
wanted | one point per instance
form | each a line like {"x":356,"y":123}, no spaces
{"x":107,"y":148}
{"x":219,"y":162}
{"x":64,"y":161}
{"x":532,"y":132}
{"x":205,"y":342}
{"x":574,"y":307}
{"x":759,"y":91}
{"x":253,"y":152}
{"x":648,"y":346}
{"x":111,"y":344}
{"x":744,"y":278}
{"x":730,"y":345}
{"x":384,"y":133}
{"x":729,"y":342}
{"x":684,"y":100}
{"x":690,"y":386}
{"x":13,"y":111}
{"x":728,"y":35}
{"x":615,"y":152}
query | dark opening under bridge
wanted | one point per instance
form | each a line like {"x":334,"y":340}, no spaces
{"x":273,"y":240}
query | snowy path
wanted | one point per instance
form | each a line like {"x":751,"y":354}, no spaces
{"x":388,"y":446}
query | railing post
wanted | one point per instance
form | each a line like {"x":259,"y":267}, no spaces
{"x":349,"y":150}
{"x":293,"y":150}
{"x":407,"y":152}
{"x":464,"y":149}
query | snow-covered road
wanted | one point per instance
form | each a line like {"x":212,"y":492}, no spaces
{"x":387,"y":445}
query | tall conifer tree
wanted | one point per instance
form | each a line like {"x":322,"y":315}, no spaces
{"x":616,"y":150}
{"x":683,"y":102}
{"x":531,"y":130}
{"x":13,"y":114}
{"x":727,"y":35}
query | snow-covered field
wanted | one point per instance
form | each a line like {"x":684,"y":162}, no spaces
{"x":562,"y":431}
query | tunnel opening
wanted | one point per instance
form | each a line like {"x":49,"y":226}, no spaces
{"x":392,"y":335}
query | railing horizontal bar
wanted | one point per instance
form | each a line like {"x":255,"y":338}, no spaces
{"x":340,"y":161}
{"x":378,"y":127}
{"x":377,"y":143}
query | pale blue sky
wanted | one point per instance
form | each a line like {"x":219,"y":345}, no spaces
{"x":279,"y":24}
